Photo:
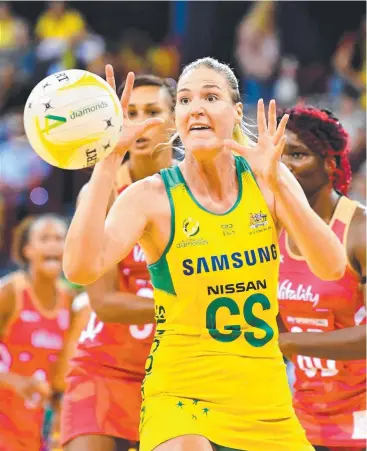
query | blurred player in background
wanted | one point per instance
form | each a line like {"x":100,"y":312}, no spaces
{"x":35,"y":316}
{"x":102,"y":403}
{"x":330,"y":394}
{"x":80,"y":315}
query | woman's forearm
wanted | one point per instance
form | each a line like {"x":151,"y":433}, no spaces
{"x":112,"y":303}
{"x":317,"y":243}
{"x":343,"y":344}
{"x":124,"y":308}
{"x":9,"y":379}
{"x":84,"y":241}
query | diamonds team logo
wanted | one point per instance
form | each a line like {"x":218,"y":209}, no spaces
{"x":258,"y":220}
{"x":191,"y":227}
{"x":52,"y":122}
{"x":73,"y":119}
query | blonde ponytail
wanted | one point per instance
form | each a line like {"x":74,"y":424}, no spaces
{"x":239,"y":136}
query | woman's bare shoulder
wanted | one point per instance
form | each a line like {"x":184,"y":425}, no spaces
{"x":8,"y":295}
{"x":147,"y":187}
{"x":144,"y":196}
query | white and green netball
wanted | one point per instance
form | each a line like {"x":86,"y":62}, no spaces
{"x":73,"y":119}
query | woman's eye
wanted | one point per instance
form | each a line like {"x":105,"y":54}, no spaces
{"x":132,"y":114}
{"x":154,"y":113}
{"x":211,"y":98}
{"x":298,"y":155}
{"x":184,"y":100}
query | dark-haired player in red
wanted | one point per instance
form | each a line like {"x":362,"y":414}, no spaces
{"x":330,"y":387}
{"x":35,"y":316}
{"x":101,"y":407}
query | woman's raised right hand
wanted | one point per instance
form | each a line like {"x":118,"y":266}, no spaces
{"x":131,"y":131}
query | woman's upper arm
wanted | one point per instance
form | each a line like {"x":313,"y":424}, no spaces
{"x":7,"y":302}
{"x":125,"y":223}
{"x":357,"y":245}
{"x":84,"y":190}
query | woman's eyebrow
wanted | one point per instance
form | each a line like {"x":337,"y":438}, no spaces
{"x":133,"y":105}
{"x":183,"y":89}
{"x":210,"y":86}
{"x":207,"y":86}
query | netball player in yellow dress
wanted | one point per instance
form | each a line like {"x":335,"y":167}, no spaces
{"x":215,"y":378}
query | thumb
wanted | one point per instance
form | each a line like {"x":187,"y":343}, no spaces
{"x":232,"y":145}
{"x":147,"y":125}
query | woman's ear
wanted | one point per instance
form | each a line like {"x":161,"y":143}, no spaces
{"x":330,"y":165}
{"x":239,"y":112}
{"x":27,"y":252}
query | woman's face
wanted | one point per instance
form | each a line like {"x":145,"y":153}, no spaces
{"x":147,"y":102}
{"x":205,"y":112}
{"x":309,"y":168}
{"x":45,"y":246}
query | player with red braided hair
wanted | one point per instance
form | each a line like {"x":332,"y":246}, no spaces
{"x":330,"y":381}
{"x":321,"y":131}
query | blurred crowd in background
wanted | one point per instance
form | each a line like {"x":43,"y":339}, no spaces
{"x":296,"y":52}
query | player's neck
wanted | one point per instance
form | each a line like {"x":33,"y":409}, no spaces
{"x":215,"y":177}
{"x":43,"y":287}
{"x":324,"y":202}
{"x":141,"y":166}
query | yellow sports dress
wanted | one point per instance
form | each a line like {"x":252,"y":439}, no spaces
{"x":215,"y":368}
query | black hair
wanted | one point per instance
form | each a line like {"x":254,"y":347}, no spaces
{"x":21,"y":234}
{"x":151,"y":80}
{"x":322,"y":132}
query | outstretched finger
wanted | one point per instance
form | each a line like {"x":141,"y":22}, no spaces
{"x":272,"y":118}
{"x":126,"y":93}
{"x":147,"y":125}
{"x":280,"y":147}
{"x":261,"y":119}
{"x":110,"y":76}
{"x":281,"y":129}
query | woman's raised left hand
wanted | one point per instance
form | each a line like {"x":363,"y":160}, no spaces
{"x":265,"y":157}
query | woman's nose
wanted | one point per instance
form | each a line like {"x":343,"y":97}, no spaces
{"x":197,"y":110}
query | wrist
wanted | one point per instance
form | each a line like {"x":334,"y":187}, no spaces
{"x":277,"y":181}
{"x":271,"y":182}
{"x":108,"y":167}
